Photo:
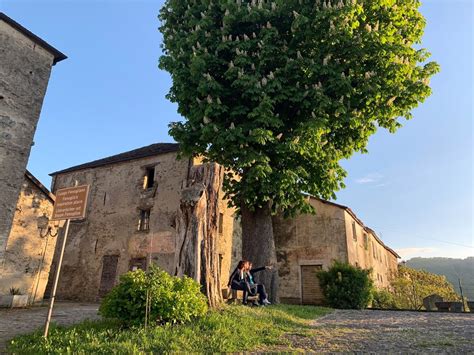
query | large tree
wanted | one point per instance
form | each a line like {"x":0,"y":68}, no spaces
{"x":280,"y":91}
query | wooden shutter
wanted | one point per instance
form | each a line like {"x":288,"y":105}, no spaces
{"x":109,"y":273}
{"x":311,"y":292}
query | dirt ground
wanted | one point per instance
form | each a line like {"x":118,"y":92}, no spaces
{"x":388,"y":331}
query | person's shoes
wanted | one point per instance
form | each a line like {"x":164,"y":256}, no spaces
{"x":266,"y":302}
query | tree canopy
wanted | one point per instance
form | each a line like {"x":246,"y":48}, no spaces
{"x":410,"y":286}
{"x":453,"y":269}
{"x":280,"y":91}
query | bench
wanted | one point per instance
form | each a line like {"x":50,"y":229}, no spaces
{"x":237,"y":296}
{"x":449,"y":306}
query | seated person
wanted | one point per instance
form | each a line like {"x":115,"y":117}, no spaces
{"x":254,"y":287}
{"x":237,"y":280}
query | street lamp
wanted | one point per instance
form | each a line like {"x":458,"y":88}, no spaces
{"x":43,"y":224}
{"x":45,"y":230}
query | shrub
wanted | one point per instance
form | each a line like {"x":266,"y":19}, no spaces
{"x":383,"y":299}
{"x":171,"y":299}
{"x":346,"y":286}
{"x":410,"y":286}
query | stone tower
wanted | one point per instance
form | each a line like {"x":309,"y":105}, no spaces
{"x":25,"y":65}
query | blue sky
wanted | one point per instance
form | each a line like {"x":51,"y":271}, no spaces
{"x":415,"y":188}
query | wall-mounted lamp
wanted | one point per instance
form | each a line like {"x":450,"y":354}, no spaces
{"x":44,"y":228}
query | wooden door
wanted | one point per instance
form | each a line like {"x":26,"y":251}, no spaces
{"x":109,"y":273}
{"x":311,"y":292}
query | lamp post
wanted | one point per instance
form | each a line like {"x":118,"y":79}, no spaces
{"x":45,"y":231}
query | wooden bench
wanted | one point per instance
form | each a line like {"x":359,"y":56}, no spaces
{"x":237,"y":296}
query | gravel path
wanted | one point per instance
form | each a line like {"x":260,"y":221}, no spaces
{"x":388,"y":331}
{"x":14,"y":322}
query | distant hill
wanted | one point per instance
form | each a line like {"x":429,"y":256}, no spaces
{"x":452,"y":269}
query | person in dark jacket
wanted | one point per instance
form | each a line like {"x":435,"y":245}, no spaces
{"x":255,"y":287}
{"x":238,"y":281}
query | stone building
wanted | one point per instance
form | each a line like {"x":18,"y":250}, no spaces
{"x":308,"y":243}
{"x":29,"y":249}
{"x":25,"y":67}
{"x":131,"y":219}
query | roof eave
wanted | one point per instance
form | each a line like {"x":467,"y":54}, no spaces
{"x":353,"y":215}
{"x":171,"y":148}
{"x":58,"y":56}
{"x":38,"y":184}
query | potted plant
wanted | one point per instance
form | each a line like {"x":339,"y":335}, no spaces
{"x":14,"y":300}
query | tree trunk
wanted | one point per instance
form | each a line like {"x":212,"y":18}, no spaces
{"x":258,"y":246}
{"x":196,"y":224}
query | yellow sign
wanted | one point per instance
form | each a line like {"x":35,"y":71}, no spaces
{"x":71,"y":203}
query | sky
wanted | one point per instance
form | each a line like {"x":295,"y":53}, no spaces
{"x":414,"y":188}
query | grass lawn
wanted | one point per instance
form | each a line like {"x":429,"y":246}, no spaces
{"x":234,"y":328}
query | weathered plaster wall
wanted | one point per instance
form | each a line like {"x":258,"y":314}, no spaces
{"x":110,"y":227}
{"x":369,"y":255}
{"x":307,"y":240}
{"x":24,"y":71}
{"x":28,"y":256}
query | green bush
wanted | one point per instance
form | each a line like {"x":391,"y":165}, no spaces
{"x":383,"y":299}
{"x":172,"y":299}
{"x":410,"y":286}
{"x":345,"y":286}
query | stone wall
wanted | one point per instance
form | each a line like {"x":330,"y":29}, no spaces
{"x":365,"y":250}
{"x":307,"y":240}
{"x":28,"y":255}
{"x":322,"y":238}
{"x":110,"y":227}
{"x":24,"y":71}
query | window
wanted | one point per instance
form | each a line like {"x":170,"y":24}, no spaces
{"x":366,"y":241}
{"x":221,"y":223}
{"x":354,"y":232}
{"x":144,"y":220}
{"x":149,"y":180}
{"x":137,"y":263}
{"x":221,"y":257}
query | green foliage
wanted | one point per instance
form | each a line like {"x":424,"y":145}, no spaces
{"x":346,"y":286}
{"x":410,"y":286}
{"x":172,"y":299}
{"x":383,"y":299}
{"x":233,"y":329}
{"x":280,"y":91}
{"x":453,"y":269}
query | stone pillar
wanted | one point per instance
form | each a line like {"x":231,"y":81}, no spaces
{"x":25,"y":67}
